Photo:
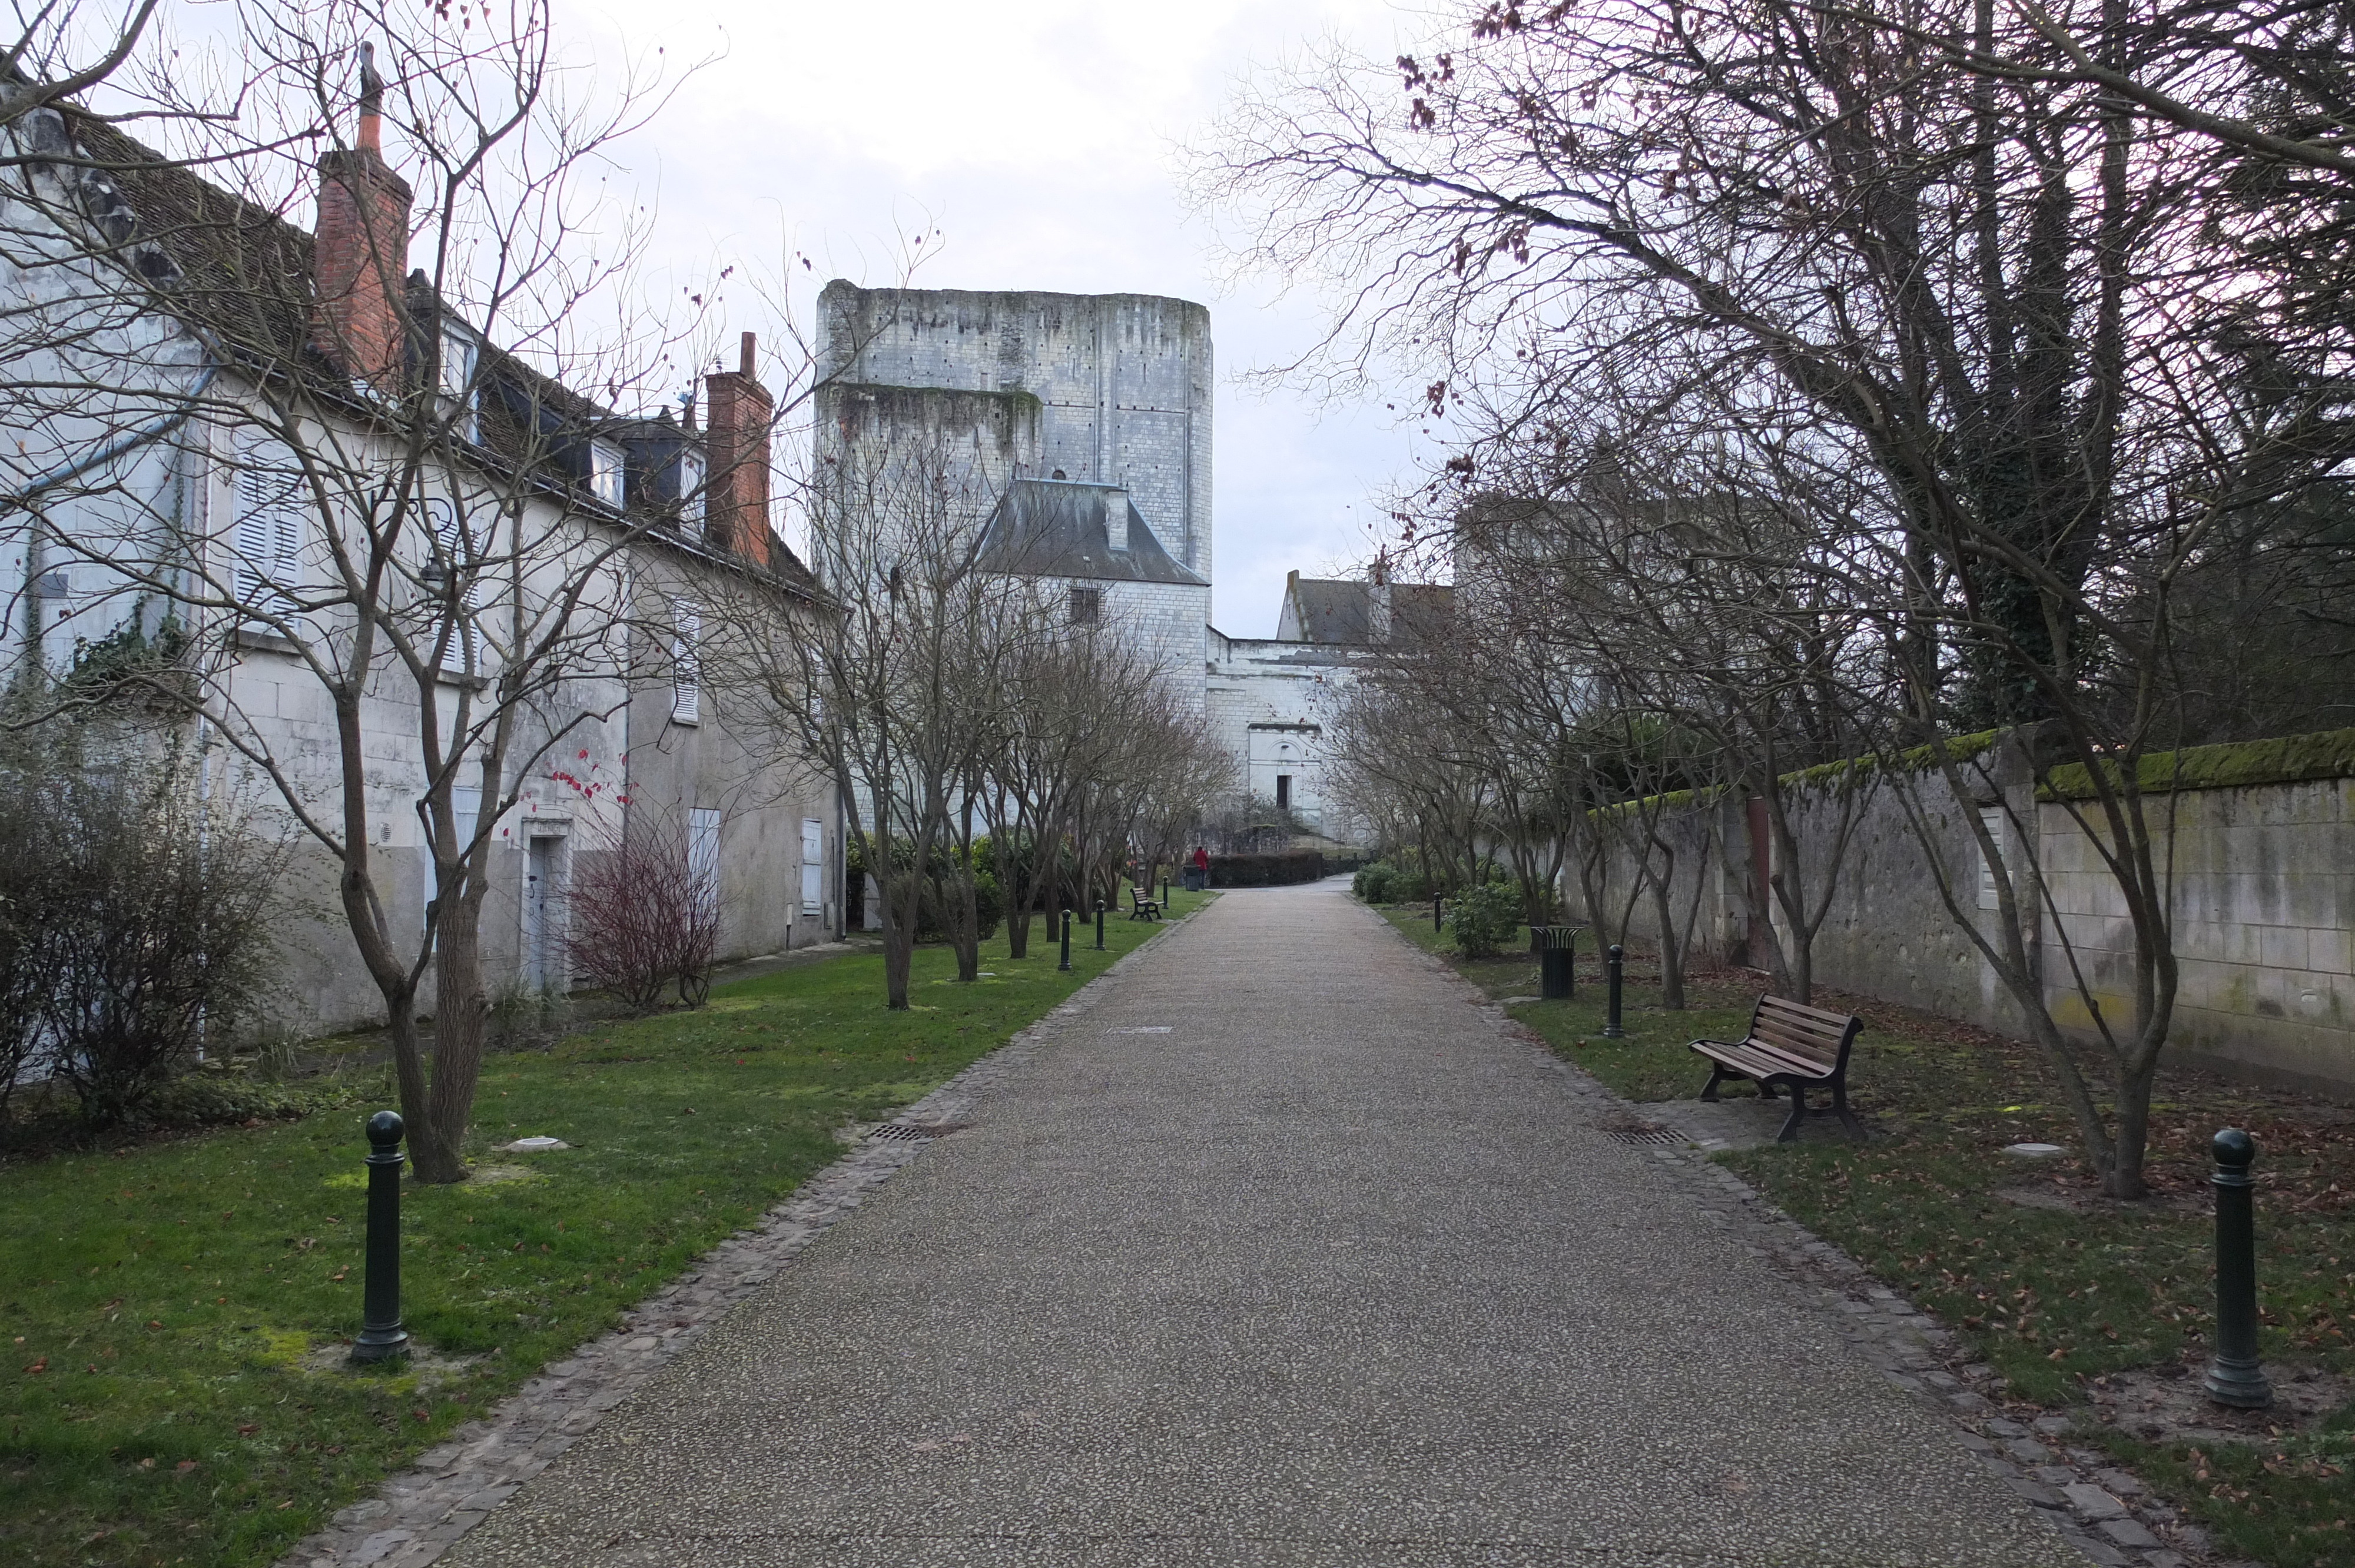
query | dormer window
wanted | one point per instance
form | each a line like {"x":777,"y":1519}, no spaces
{"x":458,"y":383}
{"x":607,"y":470}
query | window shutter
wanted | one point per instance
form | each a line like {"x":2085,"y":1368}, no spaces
{"x":459,"y":554}
{"x":686,"y":666}
{"x":270,"y":531}
{"x":703,"y":857}
{"x":813,"y":866}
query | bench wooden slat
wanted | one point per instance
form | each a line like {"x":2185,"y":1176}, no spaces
{"x":1791,"y":1045}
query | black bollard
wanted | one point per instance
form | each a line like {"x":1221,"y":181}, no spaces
{"x":1165,"y":896}
{"x":381,"y":1335}
{"x":1100,"y":947}
{"x":1434,"y":911}
{"x":2234,"y":1378}
{"x":1611,"y":959}
{"x":1066,"y":963}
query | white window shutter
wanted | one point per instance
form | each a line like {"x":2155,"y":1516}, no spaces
{"x":813,"y":866}
{"x":687,"y":665}
{"x":703,"y":856}
{"x":460,"y":556}
{"x":270,"y":532}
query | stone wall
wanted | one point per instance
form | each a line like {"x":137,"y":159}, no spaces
{"x":2263,"y":878}
{"x":1122,"y":383}
{"x":1165,"y":621}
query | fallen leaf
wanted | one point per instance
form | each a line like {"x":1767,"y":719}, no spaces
{"x":185,"y":1466}
{"x":249,"y":1429}
{"x":38,"y":1367}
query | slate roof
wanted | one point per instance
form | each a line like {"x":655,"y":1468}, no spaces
{"x":1055,"y":528}
{"x":1326,"y":610}
{"x":243,"y":275}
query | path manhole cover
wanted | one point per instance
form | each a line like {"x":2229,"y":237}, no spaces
{"x":1643,"y":1132}
{"x":912,"y":1132}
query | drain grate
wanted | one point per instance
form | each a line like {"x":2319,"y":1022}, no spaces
{"x":913,"y":1132}
{"x":1643,"y":1132}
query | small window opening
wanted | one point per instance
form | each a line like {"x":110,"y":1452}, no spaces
{"x":1283,"y":791}
{"x":1087,"y":606}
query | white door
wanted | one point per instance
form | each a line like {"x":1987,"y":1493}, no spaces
{"x":813,"y":866}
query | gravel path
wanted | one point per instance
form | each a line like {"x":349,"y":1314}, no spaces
{"x":1281,"y":1251}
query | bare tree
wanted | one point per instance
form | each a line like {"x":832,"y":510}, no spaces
{"x":355,"y":507}
{"x":2042,"y":324}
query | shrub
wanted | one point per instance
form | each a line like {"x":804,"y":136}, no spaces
{"x":135,"y":924}
{"x":639,"y":919}
{"x":1379,"y":881}
{"x":1484,"y":918}
{"x":936,"y":921}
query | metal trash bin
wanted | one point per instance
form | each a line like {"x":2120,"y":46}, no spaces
{"x":1197,"y":879}
{"x":1556,"y":948}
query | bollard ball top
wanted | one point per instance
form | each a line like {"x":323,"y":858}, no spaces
{"x":2233,"y":1148}
{"x":384,"y":1128}
{"x":1617,"y":951}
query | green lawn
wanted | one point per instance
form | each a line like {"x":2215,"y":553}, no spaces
{"x":2054,"y":1297}
{"x":177,"y":1311}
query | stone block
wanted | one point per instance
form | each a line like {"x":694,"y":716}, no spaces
{"x":2127,"y":1532}
{"x":2331,"y":952}
{"x":2092,"y":1502}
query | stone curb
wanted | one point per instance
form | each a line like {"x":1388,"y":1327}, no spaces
{"x":2102,"y":1511}
{"x":418,"y":1515}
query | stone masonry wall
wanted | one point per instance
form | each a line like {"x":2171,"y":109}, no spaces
{"x":2264,"y":904}
{"x":1123,"y":382}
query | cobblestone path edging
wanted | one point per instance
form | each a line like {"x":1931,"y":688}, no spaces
{"x":418,"y":1514}
{"x":2102,"y":1511}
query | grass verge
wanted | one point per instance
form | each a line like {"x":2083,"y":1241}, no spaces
{"x":179,"y":1311}
{"x":2069,"y":1296}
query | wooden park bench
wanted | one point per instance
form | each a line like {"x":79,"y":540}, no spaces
{"x":1140,"y":907}
{"x":1791,"y":1047}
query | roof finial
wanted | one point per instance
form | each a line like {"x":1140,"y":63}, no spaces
{"x":371,"y":100}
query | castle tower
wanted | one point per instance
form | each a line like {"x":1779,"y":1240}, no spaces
{"x":1108,"y":389}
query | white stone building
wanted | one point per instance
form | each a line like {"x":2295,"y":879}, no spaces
{"x":1270,"y":699}
{"x":1078,"y":427}
{"x":221,"y":472}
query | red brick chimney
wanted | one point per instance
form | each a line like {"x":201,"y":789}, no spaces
{"x":737,"y":413}
{"x":360,"y":254}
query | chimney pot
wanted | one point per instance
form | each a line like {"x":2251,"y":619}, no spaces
{"x":745,"y":367}
{"x":1115,"y":511}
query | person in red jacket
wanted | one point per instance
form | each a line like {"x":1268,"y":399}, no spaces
{"x":1201,"y":858}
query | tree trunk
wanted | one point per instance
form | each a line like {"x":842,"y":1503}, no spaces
{"x":968,"y":927}
{"x":1672,"y":969}
{"x":900,"y":896}
{"x":459,"y":1010}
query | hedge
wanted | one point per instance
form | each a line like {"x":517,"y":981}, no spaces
{"x":1266,"y":870}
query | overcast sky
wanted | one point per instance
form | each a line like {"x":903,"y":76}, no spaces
{"x":1036,"y":138}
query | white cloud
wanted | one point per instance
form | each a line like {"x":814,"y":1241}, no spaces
{"x":1037,"y":138}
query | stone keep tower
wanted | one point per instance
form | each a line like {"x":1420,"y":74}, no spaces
{"x":1106,"y":388}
